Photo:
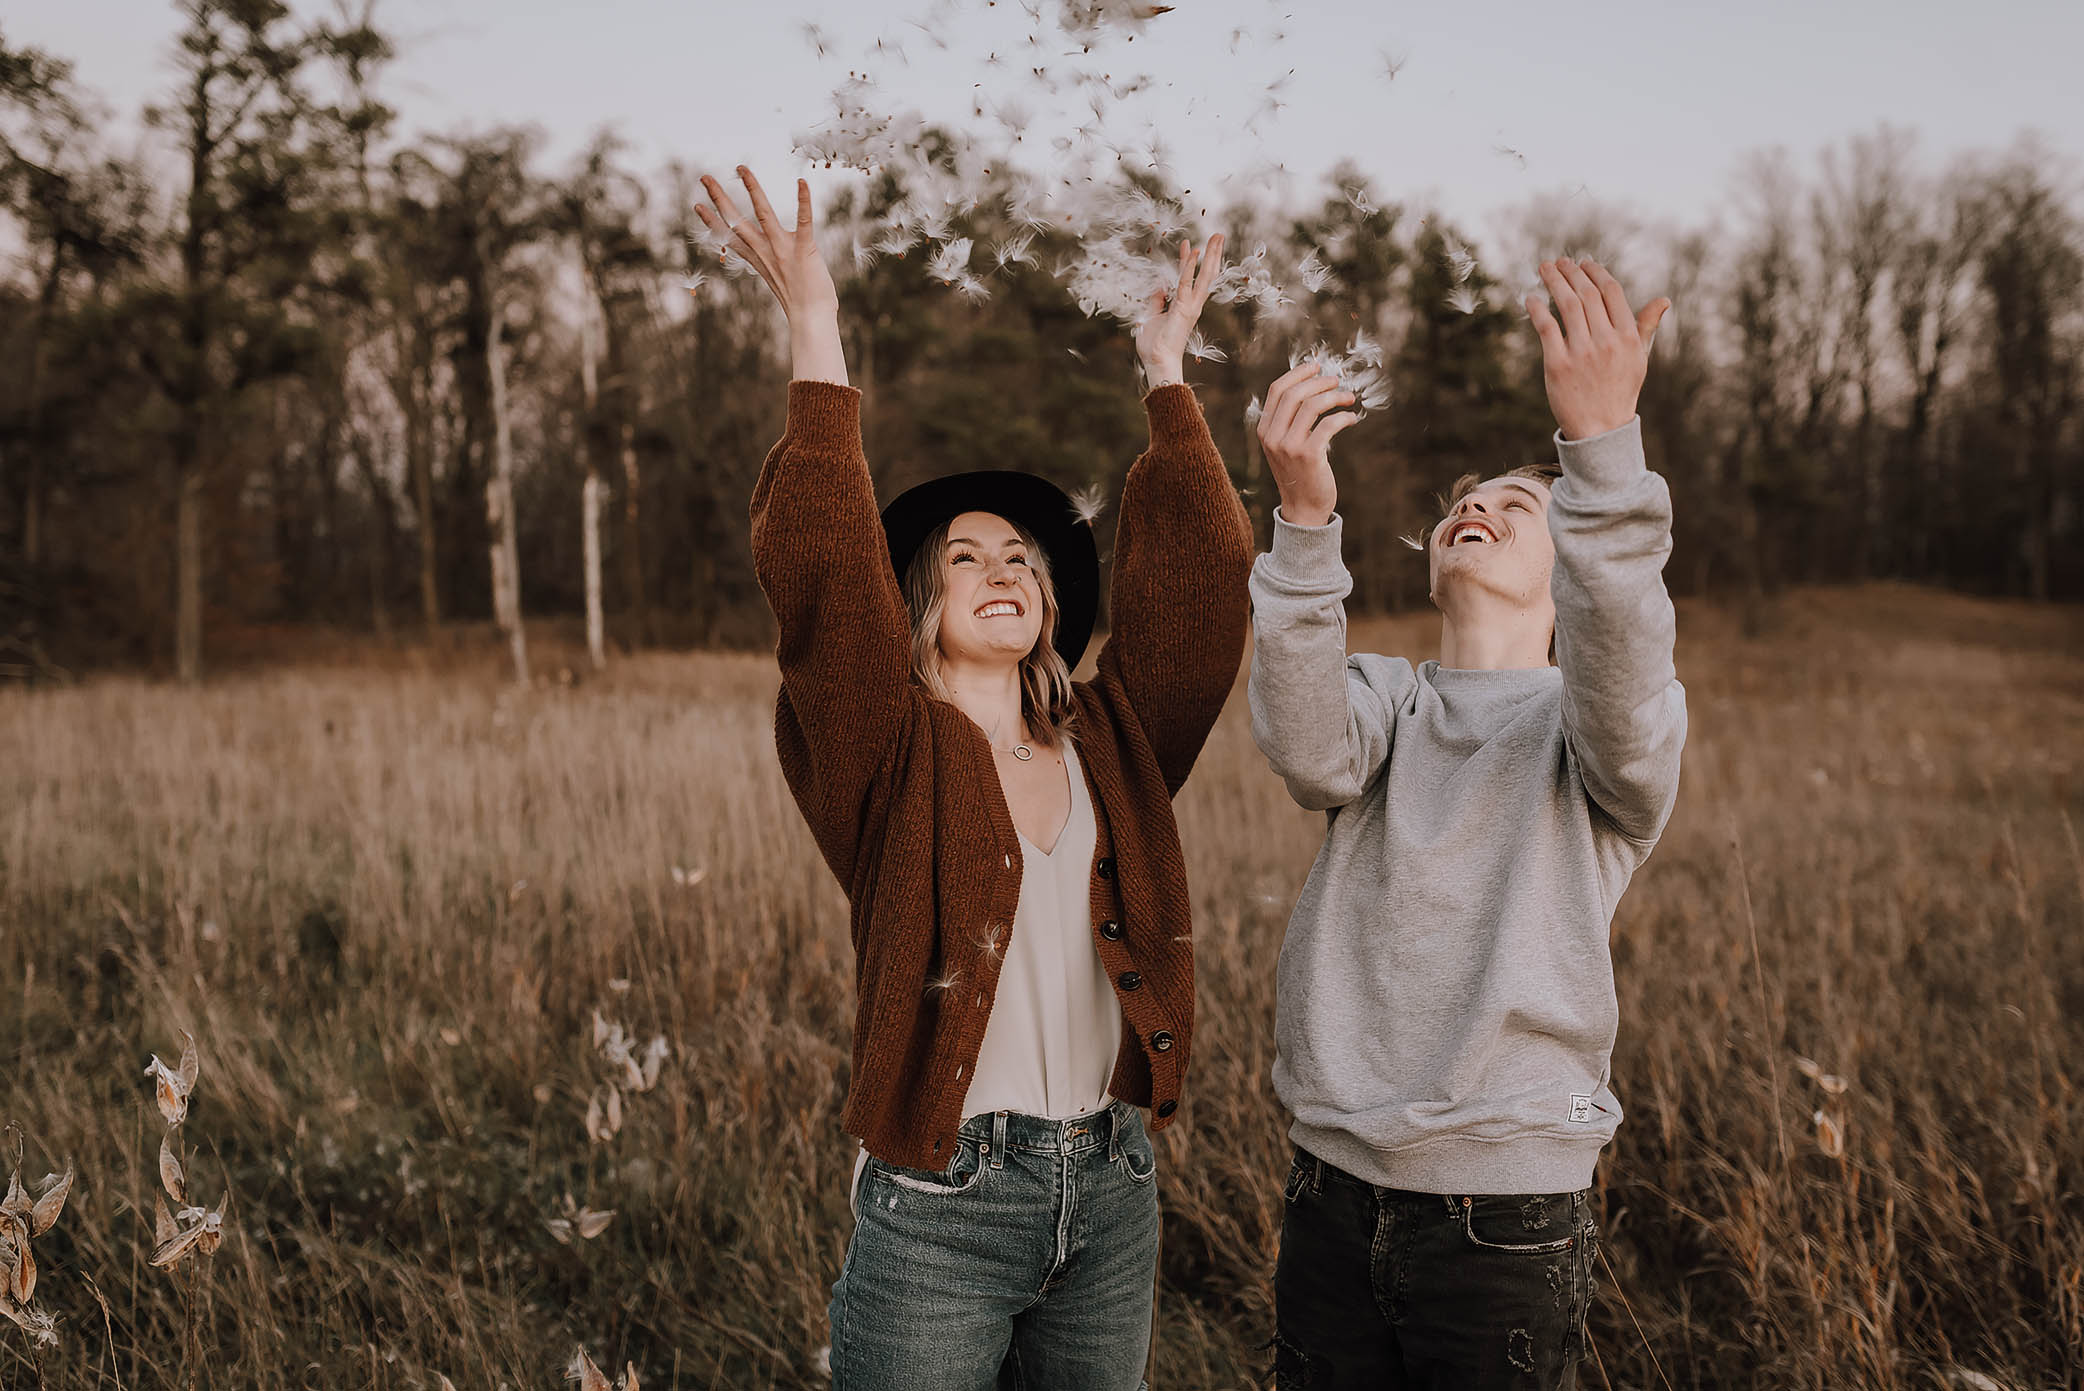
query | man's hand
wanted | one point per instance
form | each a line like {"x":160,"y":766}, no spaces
{"x":788,"y":260}
{"x":1295,"y":430}
{"x":1594,"y":361}
{"x":1161,"y":339}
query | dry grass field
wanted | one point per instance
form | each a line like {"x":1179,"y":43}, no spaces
{"x":387,"y":897}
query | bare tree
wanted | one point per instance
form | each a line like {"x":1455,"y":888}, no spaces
{"x":233,"y":116}
{"x":1859,"y":216}
{"x":499,"y":501}
{"x":602,"y":205}
{"x":1932,"y":292}
{"x":2032,"y":270}
{"x":590,"y":490}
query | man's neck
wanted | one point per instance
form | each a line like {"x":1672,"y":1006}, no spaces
{"x":989,"y":695}
{"x":1495,"y":640}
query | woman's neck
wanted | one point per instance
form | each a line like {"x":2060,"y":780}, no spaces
{"x":990,"y":696}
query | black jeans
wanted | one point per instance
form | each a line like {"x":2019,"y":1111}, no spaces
{"x":1397,"y":1291}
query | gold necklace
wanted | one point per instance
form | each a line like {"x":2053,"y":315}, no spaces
{"x":1019,"y":751}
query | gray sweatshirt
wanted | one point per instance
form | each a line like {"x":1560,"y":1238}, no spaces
{"x":1446,"y":1005}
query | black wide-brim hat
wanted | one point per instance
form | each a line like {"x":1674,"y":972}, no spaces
{"x":1034,"y":504}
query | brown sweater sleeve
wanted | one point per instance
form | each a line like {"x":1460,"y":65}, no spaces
{"x":845,"y":645}
{"x":1179,"y":606}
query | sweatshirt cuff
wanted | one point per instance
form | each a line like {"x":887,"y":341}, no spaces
{"x":1307,"y":557}
{"x":1605,"y":462}
{"x":823,"y":409}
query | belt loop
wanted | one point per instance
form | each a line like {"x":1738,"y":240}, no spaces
{"x":998,"y":1140}
{"x":1316,"y":1177}
{"x":1114,"y":1131}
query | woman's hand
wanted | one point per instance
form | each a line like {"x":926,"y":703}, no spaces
{"x":1161,"y":339}
{"x":1594,"y":363}
{"x":789,"y":262}
{"x":1295,"y":430}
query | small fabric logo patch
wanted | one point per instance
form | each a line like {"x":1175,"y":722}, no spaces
{"x":1581,"y":1106}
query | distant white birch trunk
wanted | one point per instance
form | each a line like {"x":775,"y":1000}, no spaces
{"x":590,"y":495}
{"x":590,"y":518}
{"x":499,"y":507}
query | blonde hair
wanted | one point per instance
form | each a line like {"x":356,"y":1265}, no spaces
{"x":1045,"y":678}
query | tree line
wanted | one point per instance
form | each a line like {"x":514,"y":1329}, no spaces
{"x":305,"y":371}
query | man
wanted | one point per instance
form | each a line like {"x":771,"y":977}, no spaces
{"x":1446,"y":1000}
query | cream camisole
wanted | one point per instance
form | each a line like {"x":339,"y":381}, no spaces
{"x":1055,"y":1027}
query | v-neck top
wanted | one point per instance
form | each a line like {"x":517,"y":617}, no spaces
{"x":1055,"y":1028}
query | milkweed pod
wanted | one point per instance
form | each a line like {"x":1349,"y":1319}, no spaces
{"x":1830,"y":1135}
{"x":17,"y":1263}
{"x":655,"y":1054}
{"x":16,"y":1201}
{"x":170,"y":1253}
{"x":40,"y":1326}
{"x":45,"y":1213}
{"x":589,"y":1377}
{"x":173,"y":1102}
{"x":210,"y":1231}
{"x":170,"y":1176}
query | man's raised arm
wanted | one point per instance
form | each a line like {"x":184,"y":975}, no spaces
{"x":1323,"y":728}
{"x":1624,"y":711}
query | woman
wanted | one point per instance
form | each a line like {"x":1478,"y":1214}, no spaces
{"x":1018,"y":898}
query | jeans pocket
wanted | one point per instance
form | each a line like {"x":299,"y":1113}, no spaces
{"x":1298,"y":1179}
{"x":1139,"y":1158}
{"x":964,"y":1173}
{"x":1584,"y":1285}
{"x":1528,"y":1224}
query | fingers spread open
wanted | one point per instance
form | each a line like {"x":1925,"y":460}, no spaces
{"x":1647,"y":321}
{"x":1594,"y":306}
{"x":803,"y":217}
{"x":1210,"y":269}
{"x":1569,"y":310}
{"x":725,"y":208}
{"x":1617,"y":311}
{"x":762,"y":209}
{"x":1545,"y":326}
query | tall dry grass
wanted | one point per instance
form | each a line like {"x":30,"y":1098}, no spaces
{"x":387,"y":903}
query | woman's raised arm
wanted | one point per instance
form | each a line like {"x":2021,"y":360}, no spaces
{"x":1182,"y":549}
{"x":818,"y":545}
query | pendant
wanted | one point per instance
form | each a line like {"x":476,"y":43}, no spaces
{"x":1023,"y":752}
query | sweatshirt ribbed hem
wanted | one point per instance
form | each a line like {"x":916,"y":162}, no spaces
{"x":1528,"y":1164}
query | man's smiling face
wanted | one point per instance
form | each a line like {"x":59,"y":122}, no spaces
{"x":1495,"y":538}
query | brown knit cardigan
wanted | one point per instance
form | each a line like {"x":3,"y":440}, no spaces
{"x":903,"y":796}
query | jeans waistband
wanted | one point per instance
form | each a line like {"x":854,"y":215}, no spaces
{"x":1316,"y":1172}
{"x":1004,"y":1130}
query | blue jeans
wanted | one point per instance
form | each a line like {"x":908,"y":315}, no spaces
{"x":1396,"y":1291}
{"x":1027,"y":1262}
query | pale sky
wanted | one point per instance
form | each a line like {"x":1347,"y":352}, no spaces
{"x":1646,"y":104}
